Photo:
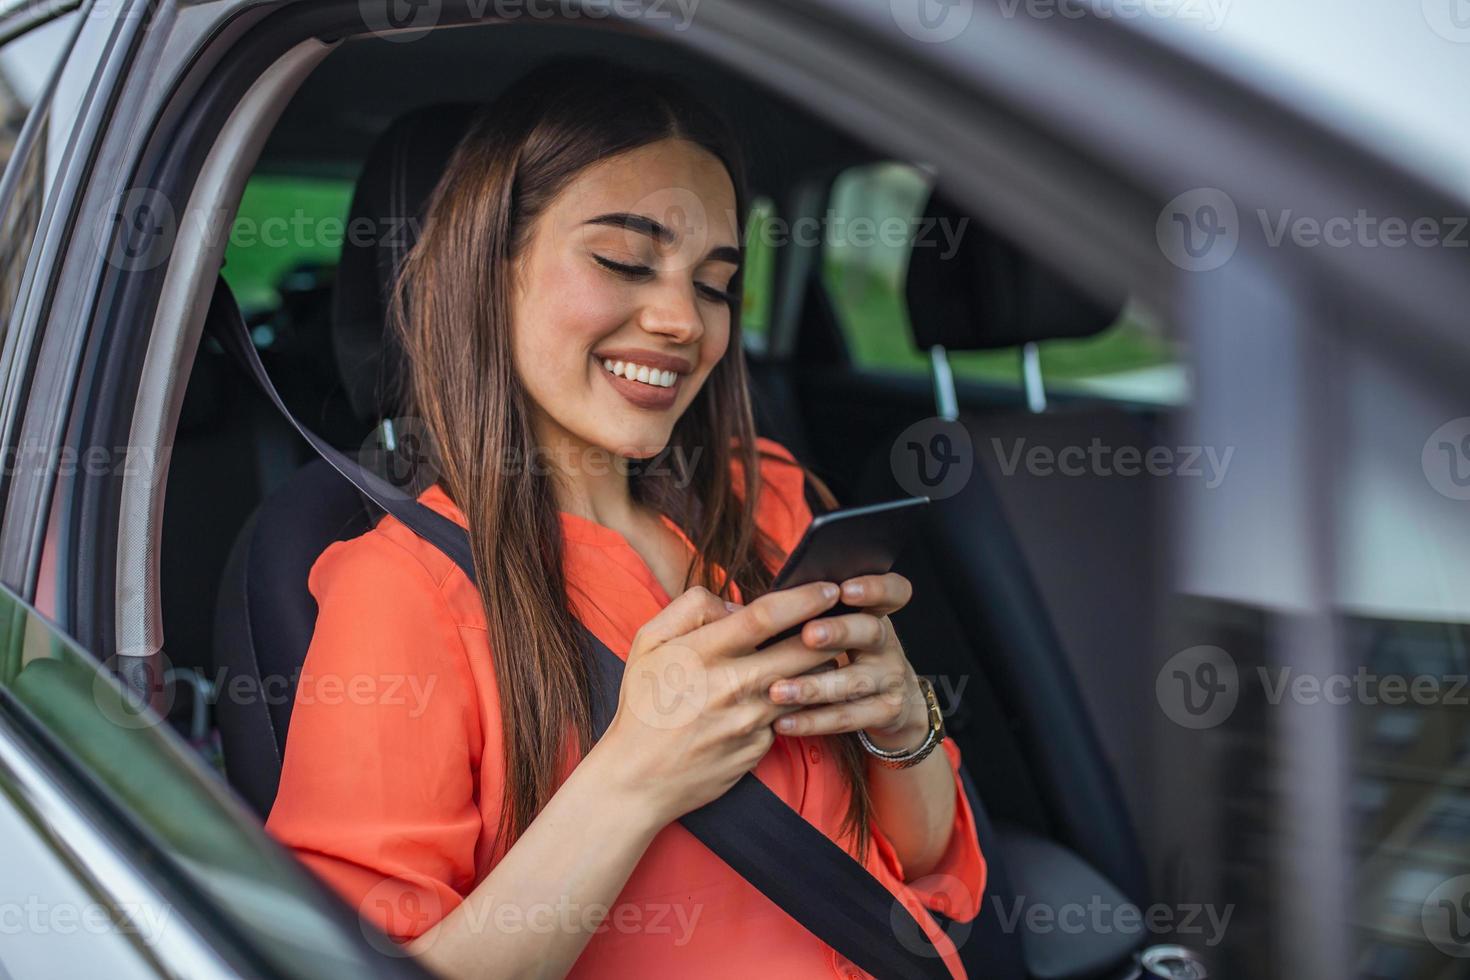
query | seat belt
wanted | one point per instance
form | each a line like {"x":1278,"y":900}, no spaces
{"x":750,"y":828}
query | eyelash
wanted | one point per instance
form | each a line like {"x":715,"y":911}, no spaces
{"x":638,"y":272}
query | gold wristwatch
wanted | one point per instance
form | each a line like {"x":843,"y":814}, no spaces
{"x":904,"y":758}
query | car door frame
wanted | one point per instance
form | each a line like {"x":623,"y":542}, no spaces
{"x":1058,"y":164}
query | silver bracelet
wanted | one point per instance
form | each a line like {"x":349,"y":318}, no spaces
{"x":904,"y":758}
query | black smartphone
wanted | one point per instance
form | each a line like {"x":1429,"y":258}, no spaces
{"x":846,"y":543}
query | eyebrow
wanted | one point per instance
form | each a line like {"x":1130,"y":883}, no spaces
{"x":660,"y":233}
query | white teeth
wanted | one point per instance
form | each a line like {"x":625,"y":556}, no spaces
{"x":640,"y":372}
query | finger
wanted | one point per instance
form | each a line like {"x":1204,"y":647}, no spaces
{"x":853,"y":631}
{"x":881,"y":595}
{"x":790,"y":657}
{"x":832,"y":719}
{"x":688,"y":612}
{"x":851,"y":683}
{"x":768,"y":615}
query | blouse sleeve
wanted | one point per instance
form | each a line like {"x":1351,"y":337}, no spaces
{"x":377,"y":791}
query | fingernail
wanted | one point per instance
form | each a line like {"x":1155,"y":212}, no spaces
{"x":829,"y":591}
{"x":731,"y":606}
{"x":786,"y":724}
{"x":854,"y":590}
{"x":786,"y":691}
{"x":820,"y":634}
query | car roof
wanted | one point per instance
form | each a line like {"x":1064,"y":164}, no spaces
{"x":1390,"y":76}
{"x":360,"y":88}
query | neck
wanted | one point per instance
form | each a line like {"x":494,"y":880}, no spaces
{"x":588,"y":481}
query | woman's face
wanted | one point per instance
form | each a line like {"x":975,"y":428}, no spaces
{"x":621,"y":307}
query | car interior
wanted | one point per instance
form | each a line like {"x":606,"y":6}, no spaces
{"x":1029,"y":593}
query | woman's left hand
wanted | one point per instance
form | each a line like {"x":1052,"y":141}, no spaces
{"x":877,"y":689}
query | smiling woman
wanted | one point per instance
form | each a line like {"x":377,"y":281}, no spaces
{"x":573,"y":298}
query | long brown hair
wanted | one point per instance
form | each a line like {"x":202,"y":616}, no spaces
{"x":450,"y":306}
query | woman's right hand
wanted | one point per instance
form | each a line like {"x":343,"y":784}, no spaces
{"x":694,"y":713}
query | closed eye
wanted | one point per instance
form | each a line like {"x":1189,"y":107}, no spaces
{"x":639,"y":272}
{"x":715,"y":293}
{"x":623,"y":269}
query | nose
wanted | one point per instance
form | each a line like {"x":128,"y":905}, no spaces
{"x":672,"y":311}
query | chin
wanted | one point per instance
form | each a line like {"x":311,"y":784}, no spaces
{"x":640,"y":445}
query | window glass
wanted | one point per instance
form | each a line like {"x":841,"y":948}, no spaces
{"x":758,"y":275}
{"x":114,"y":754}
{"x":26,"y":65}
{"x":865,"y":260}
{"x":286,"y":225}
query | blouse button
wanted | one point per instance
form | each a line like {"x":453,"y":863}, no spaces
{"x":815,"y":754}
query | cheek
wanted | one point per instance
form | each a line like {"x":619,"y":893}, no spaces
{"x":716,"y":341}
{"x":564,"y":317}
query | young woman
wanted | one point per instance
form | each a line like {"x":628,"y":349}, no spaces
{"x":569,"y":318}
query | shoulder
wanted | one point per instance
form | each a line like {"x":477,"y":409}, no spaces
{"x":389,"y":572}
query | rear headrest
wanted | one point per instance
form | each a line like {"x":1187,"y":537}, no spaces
{"x":401,"y":170}
{"x":984,"y":292}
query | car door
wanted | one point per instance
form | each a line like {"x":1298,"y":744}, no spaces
{"x":123,"y":853}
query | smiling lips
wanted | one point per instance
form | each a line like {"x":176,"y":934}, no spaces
{"x":645,"y":379}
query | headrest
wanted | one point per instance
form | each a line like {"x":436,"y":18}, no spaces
{"x":970,"y":289}
{"x":386,"y":215}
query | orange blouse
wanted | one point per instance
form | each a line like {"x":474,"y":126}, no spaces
{"x":391,"y":782}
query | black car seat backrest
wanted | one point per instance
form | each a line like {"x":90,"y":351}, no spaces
{"x":981,"y":617}
{"x":265,"y":615}
{"x":992,"y":294}
{"x":401,"y":171}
